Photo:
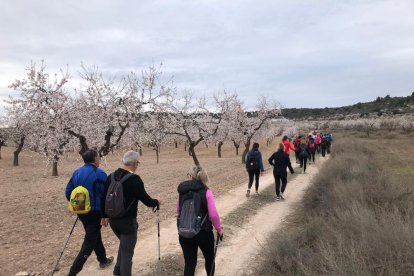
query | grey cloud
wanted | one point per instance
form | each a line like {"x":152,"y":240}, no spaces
{"x":312,"y":53}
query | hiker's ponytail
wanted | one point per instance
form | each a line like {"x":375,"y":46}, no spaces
{"x":200,"y":174}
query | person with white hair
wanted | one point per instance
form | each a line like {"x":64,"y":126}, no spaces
{"x":125,"y":227}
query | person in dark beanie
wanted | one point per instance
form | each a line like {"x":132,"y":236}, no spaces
{"x":254,"y":167}
{"x":92,"y":178}
{"x":125,"y":227}
{"x":280,"y":161}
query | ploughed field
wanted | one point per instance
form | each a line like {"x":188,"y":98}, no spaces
{"x":35,"y":221}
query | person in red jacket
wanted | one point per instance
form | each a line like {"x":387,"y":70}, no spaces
{"x":287,"y":145}
{"x":296,"y":144}
{"x":318,"y":140}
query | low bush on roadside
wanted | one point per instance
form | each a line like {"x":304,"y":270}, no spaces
{"x":354,"y":220}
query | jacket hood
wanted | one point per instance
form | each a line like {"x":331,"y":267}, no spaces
{"x":190,"y":185}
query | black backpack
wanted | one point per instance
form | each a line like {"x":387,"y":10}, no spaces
{"x":303,"y":152}
{"x":191,"y":218}
{"x":114,"y":200}
{"x":252,"y":164}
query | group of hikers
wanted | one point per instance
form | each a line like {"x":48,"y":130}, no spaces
{"x":99,"y":200}
{"x":305,"y":147}
{"x":102,"y":200}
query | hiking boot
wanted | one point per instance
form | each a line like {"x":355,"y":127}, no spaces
{"x":108,"y":262}
{"x":277,"y":198}
{"x":248,"y":193}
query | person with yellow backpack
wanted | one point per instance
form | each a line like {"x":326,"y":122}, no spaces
{"x":84,"y":192}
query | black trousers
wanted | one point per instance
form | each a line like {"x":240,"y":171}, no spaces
{"x":328,"y":148}
{"x":318,"y":148}
{"x":280,"y":177}
{"x":323,"y":150}
{"x":204,"y":240}
{"x":255,"y":174}
{"x":92,"y":242}
{"x":312,"y":157}
{"x":303,"y":161}
{"x":126,"y":230}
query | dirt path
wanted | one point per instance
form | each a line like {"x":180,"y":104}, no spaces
{"x":239,"y":252}
{"x":146,"y":250}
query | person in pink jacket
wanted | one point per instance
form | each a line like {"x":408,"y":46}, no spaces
{"x":205,"y":237}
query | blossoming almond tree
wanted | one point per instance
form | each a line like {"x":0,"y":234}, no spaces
{"x":39,"y":113}
{"x":190,"y":118}
{"x":249,"y":124}
{"x":104,"y":109}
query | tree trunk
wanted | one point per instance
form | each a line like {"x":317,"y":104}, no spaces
{"x":185,"y":146}
{"x":82,"y":141}
{"x":191,"y":150}
{"x":246,"y":150}
{"x":140,"y":151}
{"x":220,"y":144}
{"x":236,"y":145}
{"x":17,"y":152}
{"x":176,"y":144}
{"x":157,"y":153}
{"x":55,"y":165}
{"x":0,"y":151}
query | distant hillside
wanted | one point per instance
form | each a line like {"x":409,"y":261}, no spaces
{"x":381,"y":106}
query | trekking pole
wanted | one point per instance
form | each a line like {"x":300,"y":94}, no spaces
{"x":219,"y":238}
{"x":61,"y":253}
{"x":157,"y":209}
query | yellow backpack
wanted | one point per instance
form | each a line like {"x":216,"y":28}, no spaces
{"x":79,"y":201}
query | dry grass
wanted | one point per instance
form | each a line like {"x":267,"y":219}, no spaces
{"x":34,"y":221}
{"x":357,"y":218}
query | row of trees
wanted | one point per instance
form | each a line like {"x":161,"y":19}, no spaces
{"x":49,"y":117}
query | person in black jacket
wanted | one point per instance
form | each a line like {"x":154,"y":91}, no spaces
{"x":280,"y":161}
{"x":126,"y":227}
{"x":254,"y":167}
{"x":303,"y":155}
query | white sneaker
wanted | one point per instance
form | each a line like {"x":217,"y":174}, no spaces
{"x":282,"y":196}
{"x":257,"y":193}
{"x":248,"y":193}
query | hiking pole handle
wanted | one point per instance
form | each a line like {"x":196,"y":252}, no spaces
{"x":64,"y":247}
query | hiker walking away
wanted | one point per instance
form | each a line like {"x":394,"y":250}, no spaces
{"x":124,"y":224}
{"x":324,"y":146}
{"x":254,"y":167}
{"x":280,"y":161}
{"x":296,"y":144}
{"x":318,"y":143}
{"x":91,"y":177}
{"x":303,"y":155}
{"x":312,"y":150}
{"x":195,"y":195}
{"x":329,"y":140}
{"x":287,"y":145}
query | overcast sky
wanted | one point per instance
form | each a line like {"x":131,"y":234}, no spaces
{"x":302,"y":53}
